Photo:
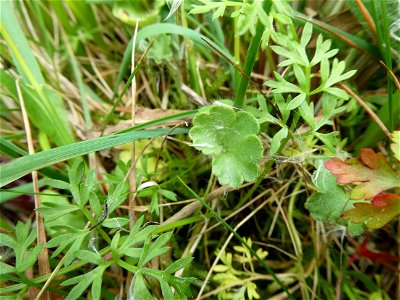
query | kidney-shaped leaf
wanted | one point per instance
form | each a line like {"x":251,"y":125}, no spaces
{"x":231,"y":138}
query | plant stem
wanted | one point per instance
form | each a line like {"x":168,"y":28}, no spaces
{"x":388,"y":59}
{"x":191,"y":59}
{"x":93,"y":221}
{"x":236,"y":45}
{"x":250,"y":58}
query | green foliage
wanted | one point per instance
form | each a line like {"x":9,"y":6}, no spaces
{"x":330,"y":201}
{"x":249,"y":14}
{"x":297,"y":58}
{"x":381,"y":210}
{"x":25,"y":254}
{"x":130,"y":12}
{"x":227,"y":274}
{"x":155,"y":193}
{"x":131,"y":249}
{"x":305,"y":120}
{"x":390,"y":11}
{"x":47,"y":111}
{"x":231,"y":139}
{"x":331,"y":98}
{"x":396,"y":144}
{"x":160,"y":51}
{"x":372,"y":175}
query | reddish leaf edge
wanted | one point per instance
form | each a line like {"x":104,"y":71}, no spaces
{"x":370,"y":173}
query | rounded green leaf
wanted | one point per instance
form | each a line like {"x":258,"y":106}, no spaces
{"x":231,"y":138}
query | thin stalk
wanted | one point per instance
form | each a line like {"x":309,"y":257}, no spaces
{"x":126,"y":86}
{"x":270,"y":59}
{"x":93,"y":221}
{"x":292,"y":28}
{"x":43,"y":259}
{"x":236,"y":46}
{"x":367,"y":17}
{"x":295,"y":234}
{"x":23,"y":284}
{"x":237,"y":68}
{"x":388,"y":58}
{"x":250,"y":58}
{"x":209,"y":185}
{"x":53,"y":274}
{"x":132,"y":173}
{"x":189,"y":51}
{"x":307,"y":72}
{"x":367,"y":109}
{"x":84,"y":100}
{"x":243,"y":242}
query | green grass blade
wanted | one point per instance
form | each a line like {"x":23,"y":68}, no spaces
{"x":373,"y":133}
{"x":384,"y":28}
{"x":18,"y":45}
{"x":250,"y":58}
{"x":183,"y":115}
{"x":85,"y":15}
{"x":14,"y":151}
{"x":10,"y":149}
{"x":125,"y":88}
{"x":160,"y":28}
{"x":23,"y":282}
{"x":62,"y":16}
{"x":23,"y":189}
{"x":46,"y":108}
{"x":79,"y":80}
{"x":25,"y":165}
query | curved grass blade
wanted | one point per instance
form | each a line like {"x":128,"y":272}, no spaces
{"x":250,"y":58}
{"x":47,"y":111}
{"x":25,"y":165}
{"x":14,"y":151}
{"x":160,"y":28}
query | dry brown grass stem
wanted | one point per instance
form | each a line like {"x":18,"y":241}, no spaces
{"x":367,"y":109}
{"x":132,"y":174}
{"x":43,"y":259}
{"x":367,"y":17}
{"x":394,"y":77}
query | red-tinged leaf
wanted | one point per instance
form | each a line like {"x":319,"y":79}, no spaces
{"x":370,"y":173}
{"x":382,"y":200}
{"x":382,"y":209}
